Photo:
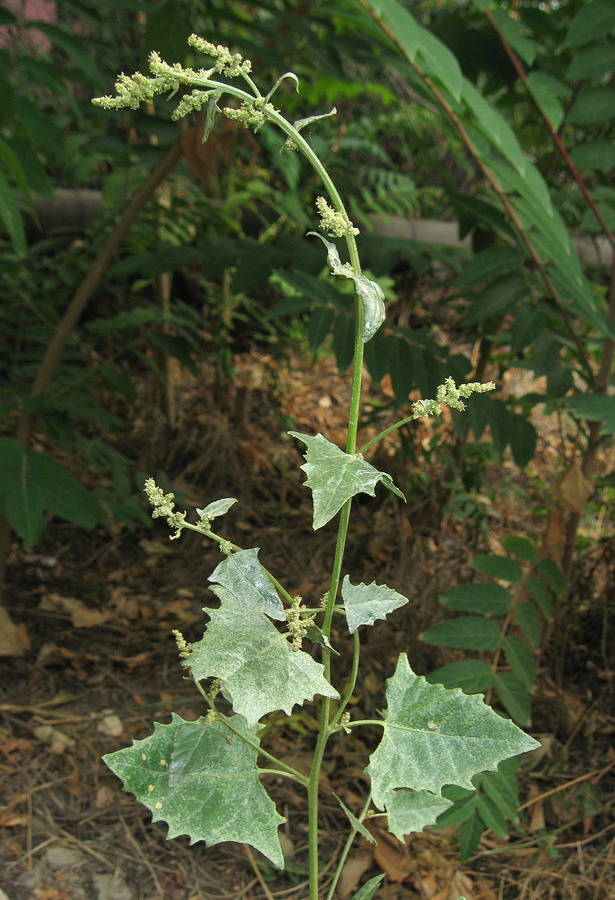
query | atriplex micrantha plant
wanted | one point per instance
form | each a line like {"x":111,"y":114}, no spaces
{"x":203,"y":777}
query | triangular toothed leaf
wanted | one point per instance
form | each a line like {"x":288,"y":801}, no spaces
{"x":334,"y":477}
{"x":242,"y":574}
{"x":367,"y":602}
{"x":434,"y":736}
{"x":202,"y":780}
{"x":254,"y":661}
{"x":411,"y":811}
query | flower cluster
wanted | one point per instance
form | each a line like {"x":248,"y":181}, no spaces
{"x":231,"y":64}
{"x":250,"y":114}
{"x":297,"y":623}
{"x":448,"y":394}
{"x":163,"y":506}
{"x":333,"y":222}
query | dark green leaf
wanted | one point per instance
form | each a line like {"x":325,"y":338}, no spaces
{"x":541,"y":596}
{"x":516,"y":32}
{"x":489,"y":264}
{"x":593,"y":156}
{"x":492,"y":817}
{"x":521,"y":660}
{"x":321,"y":320}
{"x":528,"y":620}
{"x":500,"y":567}
{"x":593,"y":106}
{"x":465,"y":633}
{"x":470,"y":833}
{"x":520,"y":547}
{"x":484,"y":599}
{"x":553,"y":575}
{"x":502,"y":787}
{"x":514,"y":697}
{"x":592,"y":62}
{"x":473,"y":676}
{"x":32,"y":483}
{"x":592,"y":22}
{"x":343,"y":341}
{"x":594,"y":408}
{"x":548,"y":92}
{"x":10,"y":214}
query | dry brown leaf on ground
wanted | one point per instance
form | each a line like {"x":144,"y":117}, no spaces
{"x":356,"y":866}
{"x":13,"y":638}
{"x":392,"y":857}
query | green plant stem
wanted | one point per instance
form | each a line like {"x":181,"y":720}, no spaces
{"x":353,"y":680}
{"x":386,"y":432}
{"x":347,"y":846}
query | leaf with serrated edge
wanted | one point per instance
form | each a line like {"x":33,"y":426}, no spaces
{"x":367,"y":602}
{"x":411,"y":811}
{"x":255,"y":662}
{"x":202,"y":780}
{"x":242,"y":574}
{"x":334,"y":477}
{"x":433,"y":736}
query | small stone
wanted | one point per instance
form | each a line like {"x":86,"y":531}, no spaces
{"x":111,"y":887}
{"x":62,"y":858}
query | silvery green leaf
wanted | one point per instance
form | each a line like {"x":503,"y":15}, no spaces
{"x":372,"y":298}
{"x":334,"y":477}
{"x":369,"y":292}
{"x":303,"y":123}
{"x":434,"y":736}
{"x":333,"y":257}
{"x":411,"y":811}
{"x":202,"y":780}
{"x":365,"y":603}
{"x":217,"y":508}
{"x":242,"y":574}
{"x":255,"y":661}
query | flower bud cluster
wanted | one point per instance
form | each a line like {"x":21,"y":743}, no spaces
{"x":332,"y":221}
{"x":250,"y":114}
{"x":231,"y":64}
{"x":163,"y":507}
{"x":448,"y":394}
{"x":182,"y":646}
{"x":297,"y":624}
